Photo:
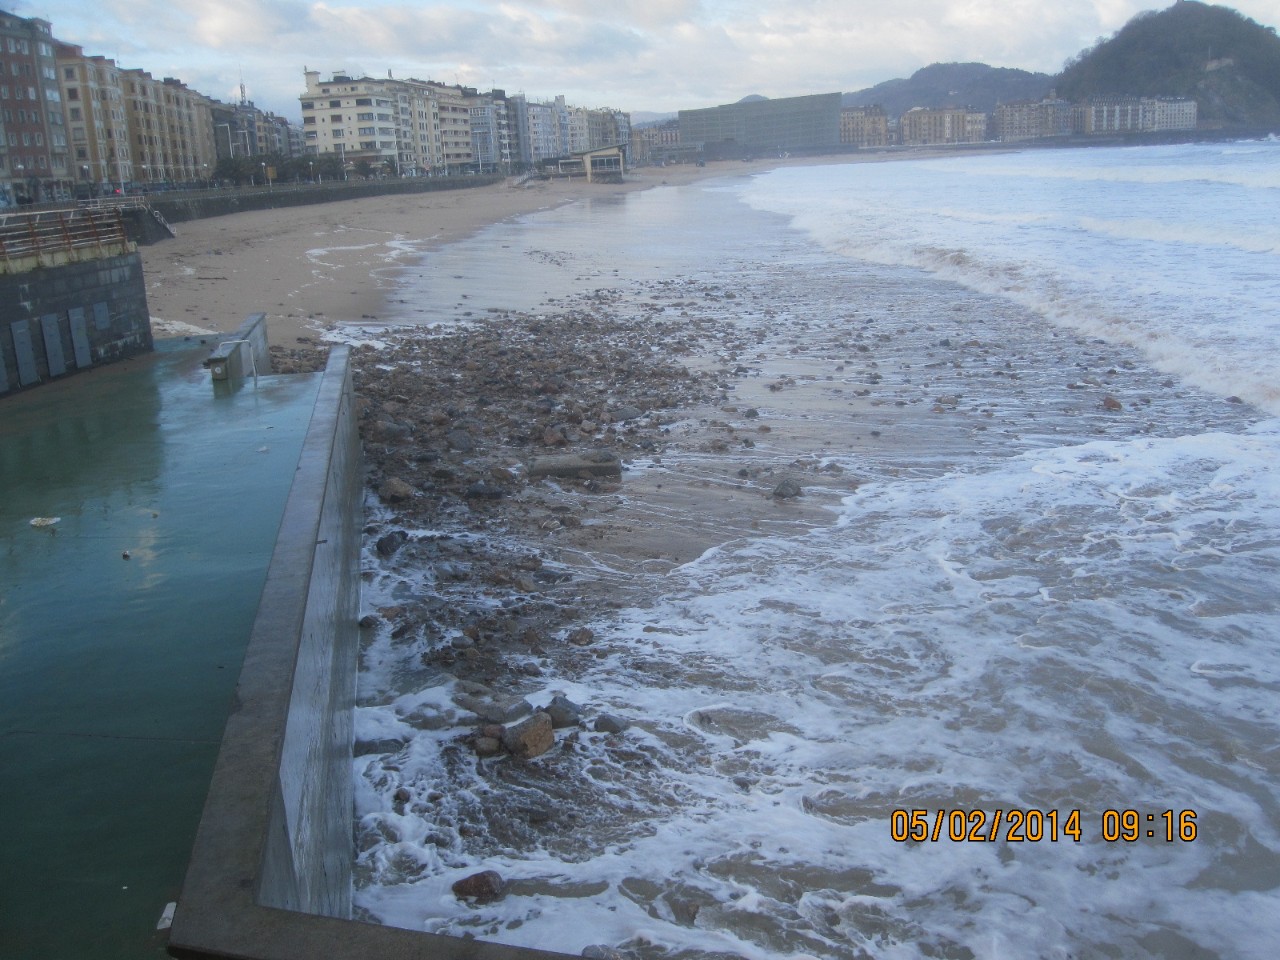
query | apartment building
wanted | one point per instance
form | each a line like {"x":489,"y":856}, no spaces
{"x":864,"y":126}
{"x":171,"y":131}
{"x":920,"y":126}
{"x":1103,"y":115}
{"x":34,"y":159}
{"x":491,"y":135}
{"x":101,"y":159}
{"x":400,"y":127}
{"x":536,"y":128}
{"x":1032,"y":119}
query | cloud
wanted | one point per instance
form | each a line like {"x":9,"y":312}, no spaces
{"x":657,"y":55}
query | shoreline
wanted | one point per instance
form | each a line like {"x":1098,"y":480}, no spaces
{"x":311,"y":268}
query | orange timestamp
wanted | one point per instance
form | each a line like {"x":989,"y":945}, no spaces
{"x":1034,"y":825}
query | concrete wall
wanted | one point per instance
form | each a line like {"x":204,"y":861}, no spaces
{"x":270,"y":872}
{"x":243,"y":353}
{"x":55,"y":321}
{"x":178,"y":207}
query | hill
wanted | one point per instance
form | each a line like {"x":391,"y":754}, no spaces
{"x":1228,"y":63}
{"x":973,"y":85}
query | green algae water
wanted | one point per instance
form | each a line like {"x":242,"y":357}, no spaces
{"x":122,"y":629}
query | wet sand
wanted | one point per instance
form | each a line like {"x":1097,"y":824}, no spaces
{"x":310,"y":268}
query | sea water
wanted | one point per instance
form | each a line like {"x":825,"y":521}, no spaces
{"x":1048,"y":592}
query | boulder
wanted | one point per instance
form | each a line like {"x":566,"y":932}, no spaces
{"x":389,"y":543}
{"x":563,"y":712}
{"x":592,"y":464}
{"x":531,"y":737}
{"x":788,"y":489}
{"x":393,"y":489}
{"x":608,"y":723}
{"x":482,"y":887}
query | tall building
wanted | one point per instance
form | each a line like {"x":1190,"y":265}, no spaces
{"x":864,"y":126}
{"x":920,"y":126}
{"x":34,"y":162}
{"x":398,"y":127}
{"x":171,"y":131}
{"x":764,"y":126}
{"x":1032,"y":120}
{"x":101,"y":158}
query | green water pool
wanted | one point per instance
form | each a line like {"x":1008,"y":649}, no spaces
{"x":122,"y":629}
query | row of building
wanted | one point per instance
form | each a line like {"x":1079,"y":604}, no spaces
{"x":420,"y":127}
{"x":74,"y":124}
{"x":819,"y":122}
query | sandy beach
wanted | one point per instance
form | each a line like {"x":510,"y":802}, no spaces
{"x":309,"y":268}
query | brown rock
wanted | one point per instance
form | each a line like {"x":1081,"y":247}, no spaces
{"x":581,"y":636}
{"x":1111,"y":403}
{"x":529,"y":738}
{"x":483,"y":887}
{"x":394,"y":489}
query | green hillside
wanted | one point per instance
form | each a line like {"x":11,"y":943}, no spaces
{"x":1228,"y":63}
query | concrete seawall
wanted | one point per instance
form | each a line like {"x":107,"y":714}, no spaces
{"x":63,"y":319}
{"x":196,"y":205}
{"x":270,"y":871}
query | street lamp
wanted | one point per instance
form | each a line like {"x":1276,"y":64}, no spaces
{"x":265,"y":178}
{"x":312,"y":165}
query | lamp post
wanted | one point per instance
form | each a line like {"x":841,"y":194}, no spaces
{"x":312,"y":165}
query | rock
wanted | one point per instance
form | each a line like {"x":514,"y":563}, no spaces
{"x":389,"y":543}
{"x":529,"y":738}
{"x":482,"y":887}
{"x":494,"y":711}
{"x":597,"y":464}
{"x":484,"y":491}
{"x":626,"y":412}
{"x":461,"y":441}
{"x":563,"y":712}
{"x":598,"y":951}
{"x":554,"y":438}
{"x":581,"y":636}
{"x":487,"y":746}
{"x":384,"y":431}
{"x":1111,"y":403}
{"x":394,"y":489}
{"x":608,"y":723}
{"x":788,"y":489}
{"x":368,"y":621}
{"x":403,"y":795}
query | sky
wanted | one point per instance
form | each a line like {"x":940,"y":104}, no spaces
{"x":632,"y":55}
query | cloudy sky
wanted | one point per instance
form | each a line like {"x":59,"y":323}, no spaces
{"x":635,"y":55}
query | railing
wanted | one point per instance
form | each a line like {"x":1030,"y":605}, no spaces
{"x":29,"y":240}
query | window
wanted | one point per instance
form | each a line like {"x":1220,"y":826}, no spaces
{"x":335,"y":104}
{"x":364,"y":116}
{"x":364,"y":102}
{"x":366,"y":131}
{"x":308,"y":105}
{"x":337,"y":132}
{"x":308,"y":120}
{"x":73,"y":93}
{"x":335,"y":118}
